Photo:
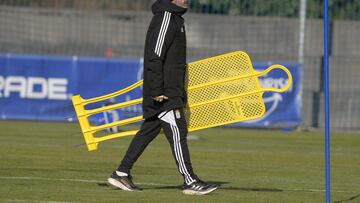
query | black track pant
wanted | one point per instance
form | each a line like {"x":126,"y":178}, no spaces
{"x":174,"y":125}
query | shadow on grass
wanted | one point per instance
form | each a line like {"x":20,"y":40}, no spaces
{"x":349,"y":199}
{"x":222,"y":186}
{"x":252,"y":189}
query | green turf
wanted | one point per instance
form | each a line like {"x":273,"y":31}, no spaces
{"x":43,"y":162}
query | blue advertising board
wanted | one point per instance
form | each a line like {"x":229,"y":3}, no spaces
{"x":40,"y":88}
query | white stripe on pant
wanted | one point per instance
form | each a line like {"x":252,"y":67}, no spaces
{"x":169,"y":118}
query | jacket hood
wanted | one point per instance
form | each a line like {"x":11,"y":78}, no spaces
{"x":166,"y":5}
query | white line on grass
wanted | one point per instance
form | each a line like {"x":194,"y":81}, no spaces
{"x":71,"y":180}
{"x":311,"y":190}
{"x":154,"y":184}
{"x":35,"y":201}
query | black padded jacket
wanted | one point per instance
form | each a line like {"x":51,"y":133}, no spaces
{"x":164,"y":59}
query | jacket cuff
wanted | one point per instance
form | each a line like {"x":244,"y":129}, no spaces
{"x":157,"y":92}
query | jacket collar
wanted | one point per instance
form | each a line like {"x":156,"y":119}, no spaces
{"x":166,"y":5}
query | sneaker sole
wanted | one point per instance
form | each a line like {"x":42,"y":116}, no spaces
{"x":118,"y":184}
{"x":192,"y":192}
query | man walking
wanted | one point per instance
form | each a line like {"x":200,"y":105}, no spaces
{"x":164,"y":97}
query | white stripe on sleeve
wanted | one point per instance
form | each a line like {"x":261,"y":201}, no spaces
{"x":162,"y":33}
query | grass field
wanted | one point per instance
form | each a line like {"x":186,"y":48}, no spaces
{"x":45,"y":162}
